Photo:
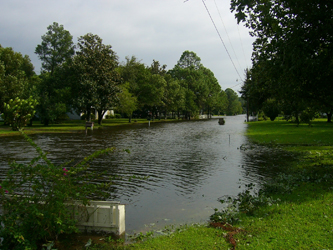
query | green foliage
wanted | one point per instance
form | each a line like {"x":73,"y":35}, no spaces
{"x":245,"y":202}
{"x":292,"y":55}
{"x":56,"y":47}
{"x":127,"y":101}
{"x":201,"y":91}
{"x":54,"y":97}
{"x":307,"y":115}
{"x":234,"y":105}
{"x":19,"y":111}
{"x":34,"y":197}
{"x":54,"y":91}
{"x":96,"y":76}
{"x":271,"y":109}
{"x":17,"y":76}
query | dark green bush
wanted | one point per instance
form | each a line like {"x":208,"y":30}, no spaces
{"x":34,"y":197}
{"x":271,"y":109}
{"x":307,"y":115}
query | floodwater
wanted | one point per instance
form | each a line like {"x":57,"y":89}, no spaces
{"x":184,"y":167}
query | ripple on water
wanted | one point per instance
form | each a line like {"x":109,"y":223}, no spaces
{"x":188,"y":165}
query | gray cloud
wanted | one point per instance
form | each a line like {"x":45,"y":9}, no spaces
{"x":148,"y":29}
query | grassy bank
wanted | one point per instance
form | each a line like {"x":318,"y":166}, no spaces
{"x":74,"y":126}
{"x":293,"y":211}
{"x":301,"y":216}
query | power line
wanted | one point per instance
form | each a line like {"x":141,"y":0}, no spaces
{"x":235,"y":85}
{"x":222,"y":40}
{"x":240,"y":38}
{"x":225,"y":29}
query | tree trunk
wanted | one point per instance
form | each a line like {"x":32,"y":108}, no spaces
{"x":46,"y":122}
{"x":100,"y":116}
{"x":88,"y":117}
{"x":297,"y":118}
{"x":247,"y":110}
{"x":329,"y":116}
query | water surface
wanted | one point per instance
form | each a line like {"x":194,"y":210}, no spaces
{"x":189,"y":165}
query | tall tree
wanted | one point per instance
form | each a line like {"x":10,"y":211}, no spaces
{"x":17,"y":76}
{"x":294,"y":41}
{"x":200,"y":85}
{"x":97,"y":77}
{"x":234,"y":106}
{"x":174,"y":96}
{"x":127,"y":101}
{"x":189,"y":59}
{"x":57,"y":46}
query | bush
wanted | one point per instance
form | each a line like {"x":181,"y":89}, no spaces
{"x":117,"y":115}
{"x":245,"y":202}
{"x":307,"y":116}
{"x":109,"y":117}
{"x":271,"y":109}
{"x":19,"y":111}
{"x":33,"y":198}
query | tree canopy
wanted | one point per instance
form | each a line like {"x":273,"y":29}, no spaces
{"x":97,"y":83}
{"x":87,"y":77}
{"x":57,"y":46}
{"x":17,"y":76}
{"x":292,"y":53}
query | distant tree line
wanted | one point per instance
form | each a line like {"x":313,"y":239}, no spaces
{"x":87,"y":75}
{"x":292,"y":67}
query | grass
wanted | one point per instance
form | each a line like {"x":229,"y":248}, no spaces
{"x":186,"y":237}
{"x":74,"y":126}
{"x":302,"y":214}
{"x":302,"y":219}
{"x":286,"y":133}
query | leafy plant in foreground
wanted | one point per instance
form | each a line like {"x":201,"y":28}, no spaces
{"x":34,"y":196}
{"x":18,"y":112}
{"x":245,"y":202}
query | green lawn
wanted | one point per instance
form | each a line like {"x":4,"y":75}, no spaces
{"x":286,"y":133}
{"x":302,"y":214}
{"x":72,"y":126}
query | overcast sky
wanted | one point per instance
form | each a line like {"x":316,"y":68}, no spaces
{"x":148,"y":29}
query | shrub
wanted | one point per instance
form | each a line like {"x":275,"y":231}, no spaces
{"x":307,"y":115}
{"x":245,"y":202}
{"x":19,"y":111}
{"x":34,"y":196}
{"x":271,"y":109}
{"x":109,"y":117}
{"x":117,"y":115}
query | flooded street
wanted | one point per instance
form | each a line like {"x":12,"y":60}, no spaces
{"x":184,"y":166}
